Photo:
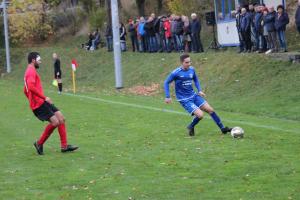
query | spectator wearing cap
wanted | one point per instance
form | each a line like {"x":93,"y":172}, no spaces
{"x":281,"y":20}
{"x":195,"y":34}
{"x":297,"y":17}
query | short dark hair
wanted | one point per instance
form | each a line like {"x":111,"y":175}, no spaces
{"x":280,"y":6}
{"x":184,"y":56}
{"x":32,"y":55}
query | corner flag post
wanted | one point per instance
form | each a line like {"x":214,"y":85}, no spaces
{"x":116,"y":40}
{"x":74,"y":67}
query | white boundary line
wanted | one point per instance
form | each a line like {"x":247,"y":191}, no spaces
{"x":176,"y":112}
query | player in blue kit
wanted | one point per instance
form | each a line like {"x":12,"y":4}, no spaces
{"x":194,"y":103}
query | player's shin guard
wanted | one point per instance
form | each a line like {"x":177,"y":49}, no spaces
{"x":63,"y":135}
{"x":194,"y":122}
{"x":217,"y":120}
{"x":47,"y":132}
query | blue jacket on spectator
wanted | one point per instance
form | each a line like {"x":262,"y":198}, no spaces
{"x":141,"y":29}
{"x":195,"y":26}
{"x":245,"y":22}
{"x":282,"y":21}
{"x":257,"y":21}
{"x":269,"y":21}
{"x":297,"y":16}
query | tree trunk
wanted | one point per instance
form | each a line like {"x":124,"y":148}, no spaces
{"x":108,"y":11}
{"x":159,"y":6}
{"x":102,"y":3}
{"x":141,"y":7}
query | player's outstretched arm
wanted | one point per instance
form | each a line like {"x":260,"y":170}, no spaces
{"x":169,"y":79}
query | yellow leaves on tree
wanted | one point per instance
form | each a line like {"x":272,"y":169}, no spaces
{"x":28,"y":21}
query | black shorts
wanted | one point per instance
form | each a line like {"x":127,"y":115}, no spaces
{"x":45,"y":111}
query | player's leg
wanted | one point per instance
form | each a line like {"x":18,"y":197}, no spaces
{"x":63,"y":133}
{"x":193,"y":109}
{"x":44,"y":113}
{"x":207,"y":108}
{"x":198,"y":116}
{"x":59,"y":83}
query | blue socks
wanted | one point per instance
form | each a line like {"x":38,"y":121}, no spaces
{"x":217,"y":120}
{"x":194,"y":122}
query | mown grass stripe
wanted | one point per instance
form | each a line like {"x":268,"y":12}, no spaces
{"x":253,"y":124}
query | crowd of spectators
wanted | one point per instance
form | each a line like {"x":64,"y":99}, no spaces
{"x":160,"y":34}
{"x":262,"y":29}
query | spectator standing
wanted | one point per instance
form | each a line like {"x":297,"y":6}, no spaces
{"x":109,"y":37}
{"x":281,"y":20}
{"x":173,"y":31}
{"x":142,"y":35}
{"x":179,"y":34}
{"x":133,"y":35}
{"x":246,"y":30}
{"x":187,"y":40}
{"x":195,"y":34}
{"x":265,"y":30}
{"x":252,"y":15}
{"x":258,"y":29}
{"x":149,"y":28}
{"x":122,"y":36}
{"x":238,"y":18}
{"x":168,"y":34}
{"x":269,"y":22}
{"x":156,"y":26}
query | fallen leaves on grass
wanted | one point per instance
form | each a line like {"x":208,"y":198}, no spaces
{"x":145,"y":90}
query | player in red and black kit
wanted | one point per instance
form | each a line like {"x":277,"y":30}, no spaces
{"x":43,"y":107}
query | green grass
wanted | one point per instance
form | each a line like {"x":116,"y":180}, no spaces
{"x":144,"y":154}
{"x":131,"y":146}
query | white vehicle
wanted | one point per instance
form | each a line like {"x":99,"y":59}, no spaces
{"x":225,"y":12}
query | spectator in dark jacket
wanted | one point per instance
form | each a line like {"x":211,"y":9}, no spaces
{"x":149,"y":28}
{"x":252,"y":15}
{"x":122,"y":30}
{"x":133,"y":35}
{"x":109,"y":37}
{"x":179,"y":33}
{"x":259,"y":40}
{"x":297,"y":17}
{"x":269,"y":23}
{"x":281,"y":20}
{"x":246,"y":29}
{"x":238,"y":18}
{"x":195,"y":33}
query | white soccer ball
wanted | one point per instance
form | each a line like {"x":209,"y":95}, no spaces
{"x":237,"y":132}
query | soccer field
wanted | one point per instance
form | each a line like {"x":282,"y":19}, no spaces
{"x":137,"y":148}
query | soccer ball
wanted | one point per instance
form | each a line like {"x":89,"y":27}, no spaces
{"x":237,"y":132}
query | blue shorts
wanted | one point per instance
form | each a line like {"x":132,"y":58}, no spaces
{"x":193,"y":104}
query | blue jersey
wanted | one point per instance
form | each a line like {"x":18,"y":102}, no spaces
{"x":183,"y":83}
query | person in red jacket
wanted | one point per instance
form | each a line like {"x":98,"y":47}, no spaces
{"x":43,"y":107}
{"x":168,"y":33}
